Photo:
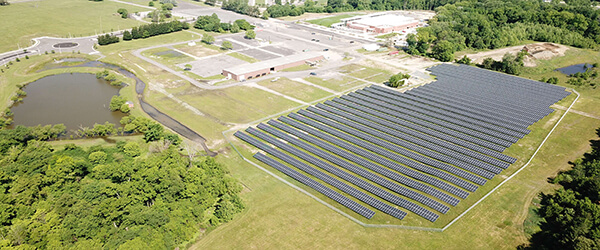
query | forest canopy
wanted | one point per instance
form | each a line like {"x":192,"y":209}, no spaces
{"x":571,"y":215}
{"x":113,"y":197}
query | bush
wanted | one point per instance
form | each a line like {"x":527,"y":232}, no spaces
{"x":97,"y":157}
{"x":132,"y":149}
{"x":125,"y":108}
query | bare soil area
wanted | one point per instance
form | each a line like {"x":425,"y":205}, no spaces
{"x":537,"y":51}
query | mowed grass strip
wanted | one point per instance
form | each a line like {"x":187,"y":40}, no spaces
{"x":59,"y":18}
{"x":167,"y":56}
{"x":295,"y":89}
{"x":236,"y":105}
{"x":341,"y":84}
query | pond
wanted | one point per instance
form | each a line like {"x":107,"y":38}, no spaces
{"x":75,"y":100}
{"x":577,"y":68}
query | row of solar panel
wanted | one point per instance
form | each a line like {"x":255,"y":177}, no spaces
{"x":469,"y":149}
{"x":344,"y":175}
{"x":471,"y":106}
{"x":422,"y":140}
{"x":384,"y":207}
{"x":345,"y":201}
{"x":447,"y":117}
{"x":397,"y":158}
{"x":458,"y":109}
{"x":516,"y":95}
{"x":369,"y":102}
{"x":447,"y":111}
{"x":372,"y":157}
{"x":499,"y":91}
{"x":409,"y":146}
{"x":473,"y":100}
{"x":495,"y":77}
{"x":434,"y":130}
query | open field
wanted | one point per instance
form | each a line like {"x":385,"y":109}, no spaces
{"x":295,"y":89}
{"x":497,"y":223}
{"x":291,"y":219}
{"x":340,"y":83}
{"x":85,"y":18}
{"x":328,"y":21}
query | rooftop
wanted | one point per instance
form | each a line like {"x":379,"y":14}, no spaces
{"x":253,"y":67}
{"x":386,"y":20}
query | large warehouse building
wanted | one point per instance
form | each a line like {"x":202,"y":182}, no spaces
{"x":379,"y":23}
{"x":253,"y":70}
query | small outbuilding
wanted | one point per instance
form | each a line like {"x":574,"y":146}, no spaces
{"x":254,"y":70}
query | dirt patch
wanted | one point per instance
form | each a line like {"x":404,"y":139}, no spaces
{"x":537,"y":51}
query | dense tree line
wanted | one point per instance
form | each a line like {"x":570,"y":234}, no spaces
{"x":491,"y":24}
{"x":212,"y":23}
{"x":571,"y":215}
{"x":111,"y":197}
{"x":154,"y":29}
{"x":242,"y":7}
{"x":279,"y":10}
{"x":107,"y":39}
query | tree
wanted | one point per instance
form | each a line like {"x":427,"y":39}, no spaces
{"x":464,"y":60}
{"x":151,"y":4}
{"x":208,"y":39}
{"x":125,"y":108}
{"x":235,"y":28}
{"x":250,"y":34}
{"x":167,"y":6}
{"x":4,"y":2}
{"x":124,"y":13}
{"x":265,"y":15}
{"x":397,"y":80}
{"x":210,"y":2}
{"x":226,"y":45}
{"x":116,"y":102}
{"x":443,"y":51}
{"x":154,"y":132}
{"x":188,"y":67}
{"x":127,"y":35}
{"x":132,"y":149}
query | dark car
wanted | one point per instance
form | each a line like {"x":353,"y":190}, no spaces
{"x":313,"y":73}
{"x":325,"y":49}
{"x":351,"y":41}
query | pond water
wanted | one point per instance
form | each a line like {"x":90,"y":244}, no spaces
{"x":75,"y":100}
{"x":577,"y":68}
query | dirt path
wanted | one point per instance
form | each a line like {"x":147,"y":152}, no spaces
{"x":576,"y":112}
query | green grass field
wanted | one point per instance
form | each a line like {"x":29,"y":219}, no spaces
{"x":295,"y":89}
{"x":59,"y":18}
{"x":292,"y":219}
{"x":243,"y":57}
{"x":337,"y":84}
{"x":328,"y":21}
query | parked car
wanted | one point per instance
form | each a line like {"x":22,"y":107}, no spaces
{"x":325,"y":49}
{"x":313,"y":73}
{"x":351,"y":41}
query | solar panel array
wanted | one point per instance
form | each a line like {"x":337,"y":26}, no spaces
{"x":423,"y":150}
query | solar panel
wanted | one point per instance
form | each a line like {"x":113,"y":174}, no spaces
{"x":418,"y":150}
{"x":343,"y":200}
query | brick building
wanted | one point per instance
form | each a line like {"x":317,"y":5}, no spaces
{"x":258,"y":69}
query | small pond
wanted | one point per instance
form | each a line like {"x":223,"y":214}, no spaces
{"x":75,"y":100}
{"x":577,"y":68}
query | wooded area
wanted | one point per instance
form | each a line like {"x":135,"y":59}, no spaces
{"x":494,"y":24}
{"x":572,"y":214}
{"x":109,"y":197}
